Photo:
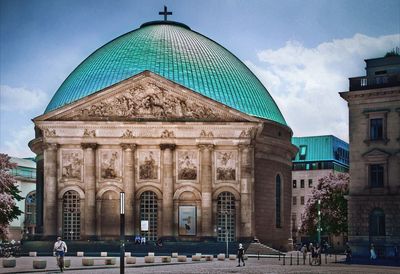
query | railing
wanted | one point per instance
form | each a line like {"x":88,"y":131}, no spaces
{"x":24,"y":173}
{"x":364,"y":82}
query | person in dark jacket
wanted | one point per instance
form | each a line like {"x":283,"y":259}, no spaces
{"x":240,"y":254}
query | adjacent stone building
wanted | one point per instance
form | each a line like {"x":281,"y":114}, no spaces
{"x":318,"y":156}
{"x":177,"y":123}
{"x":374,"y":125}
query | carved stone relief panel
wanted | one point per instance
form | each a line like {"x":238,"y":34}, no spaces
{"x":149,"y":164}
{"x":187,"y":165}
{"x":110,"y":164}
{"x":71,"y":164}
{"x":225,"y":166}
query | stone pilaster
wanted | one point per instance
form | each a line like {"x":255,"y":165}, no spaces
{"x":129,"y":187}
{"x":206,"y":189}
{"x":246,"y":190}
{"x":89,"y":179}
{"x":168,"y":190}
{"x":50,"y":191}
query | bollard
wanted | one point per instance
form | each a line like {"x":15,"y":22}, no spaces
{"x":335,"y":258}
{"x":326,"y":258}
{"x":279,"y":255}
{"x":309,"y":259}
{"x":284,"y":257}
{"x":258,"y":255}
{"x":298,"y":258}
{"x":290,"y":258}
{"x":304,"y":259}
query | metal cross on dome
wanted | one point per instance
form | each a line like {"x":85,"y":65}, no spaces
{"x":165,"y":13}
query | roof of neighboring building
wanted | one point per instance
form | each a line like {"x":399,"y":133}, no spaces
{"x":26,"y":167}
{"x":174,"y":51}
{"x":321,"y":148}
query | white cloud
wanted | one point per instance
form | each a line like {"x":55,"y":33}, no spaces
{"x":305,"y":81}
{"x":21,"y":99}
{"x":17,"y":144}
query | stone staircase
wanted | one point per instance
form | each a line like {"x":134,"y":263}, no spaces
{"x":259,"y":248}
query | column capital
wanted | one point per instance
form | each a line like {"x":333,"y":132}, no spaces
{"x":50,"y":146}
{"x":89,"y":145}
{"x":128,"y":146}
{"x":209,"y":147}
{"x":245,"y":147}
{"x":167,"y":146}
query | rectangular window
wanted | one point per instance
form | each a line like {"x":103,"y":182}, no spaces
{"x":303,"y":152}
{"x":309,"y":183}
{"x":376,"y":175}
{"x":302,"y":200}
{"x":294,"y":221}
{"x":376,"y":129}
{"x":294,"y":200}
{"x":301,"y":183}
{"x":294,"y":184}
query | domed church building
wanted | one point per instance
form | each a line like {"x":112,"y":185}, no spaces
{"x":179,"y":125}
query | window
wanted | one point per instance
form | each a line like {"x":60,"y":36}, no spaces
{"x":294,"y":184}
{"x":30,"y":212}
{"x":71,"y":216}
{"x":302,"y":183}
{"x":226,"y":216}
{"x":278,"y":201}
{"x":294,"y":226}
{"x":294,"y":200}
{"x":376,"y":129}
{"x":302,"y":200}
{"x":376,"y":175}
{"x":377,"y":223}
{"x":148,"y":211}
{"x":303,"y":152}
{"x":310,"y":183}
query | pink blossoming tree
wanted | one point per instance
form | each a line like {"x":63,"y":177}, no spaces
{"x":331,"y":190}
{"x":9,"y":194}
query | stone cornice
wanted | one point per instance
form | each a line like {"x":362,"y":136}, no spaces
{"x":370,"y":93}
{"x":50,"y":146}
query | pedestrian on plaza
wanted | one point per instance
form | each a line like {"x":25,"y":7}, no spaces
{"x":60,"y":248}
{"x":348,"y":253}
{"x":372,"y":252}
{"x":240,"y":254}
{"x":303,"y":251}
{"x":143,"y":240}
{"x":311,"y":250}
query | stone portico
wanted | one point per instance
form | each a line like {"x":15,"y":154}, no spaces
{"x":150,"y":137}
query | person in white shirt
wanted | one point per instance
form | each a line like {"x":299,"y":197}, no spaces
{"x":60,"y":248}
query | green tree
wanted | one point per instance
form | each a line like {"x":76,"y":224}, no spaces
{"x":331,"y":190}
{"x":9,"y":194}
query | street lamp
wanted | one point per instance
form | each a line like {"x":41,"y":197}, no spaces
{"x":319,"y":222}
{"x":226,"y":232}
{"x":122,"y":234}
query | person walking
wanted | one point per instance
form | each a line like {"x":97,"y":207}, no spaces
{"x":60,"y":248}
{"x":348,"y":253}
{"x":372,"y":252}
{"x":240,"y":254}
{"x":304,"y":252}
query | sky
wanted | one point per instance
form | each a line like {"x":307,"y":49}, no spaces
{"x":303,"y":51}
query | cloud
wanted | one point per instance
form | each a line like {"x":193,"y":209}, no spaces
{"x":21,"y":99}
{"x":17,"y":144}
{"x":305,"y":81}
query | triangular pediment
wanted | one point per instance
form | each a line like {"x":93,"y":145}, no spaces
{"x":146,"y":97}
{"x":376,"y":153}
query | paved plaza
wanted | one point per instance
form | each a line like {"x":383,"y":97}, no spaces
{"x":253,"y":266}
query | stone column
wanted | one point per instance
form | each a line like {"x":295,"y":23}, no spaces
{"x":89,"y":179}
{"x":50,"y":191}
{"x":246,"y":189}
{"x":206,"y":189}
{"x":168,"y":190}
{"x":129,"y":187}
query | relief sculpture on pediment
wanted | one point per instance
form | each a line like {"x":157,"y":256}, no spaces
{"x":149,"y":101}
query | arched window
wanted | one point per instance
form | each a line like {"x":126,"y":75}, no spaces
{"x":226,"y":215}
{"x":377,"y":223}
{"x":148,"y":211}
{"x":30,"y":212}
{"x":278,"y":201}
{"x":71,"y":215}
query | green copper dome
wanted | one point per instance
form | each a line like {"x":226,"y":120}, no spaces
{"x":179,"y":54}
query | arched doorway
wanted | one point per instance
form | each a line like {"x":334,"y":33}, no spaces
{"x":148,"y":212}
{"x":110,"y":214}
{"x":226,"y":217}
{"x":71,"y":215}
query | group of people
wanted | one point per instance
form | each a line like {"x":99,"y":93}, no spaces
{"x":140,"y":240}
{"x":315,"y":253}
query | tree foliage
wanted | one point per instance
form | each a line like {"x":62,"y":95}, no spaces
{"x":331,"y":191}
{"x":9,"y":194}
